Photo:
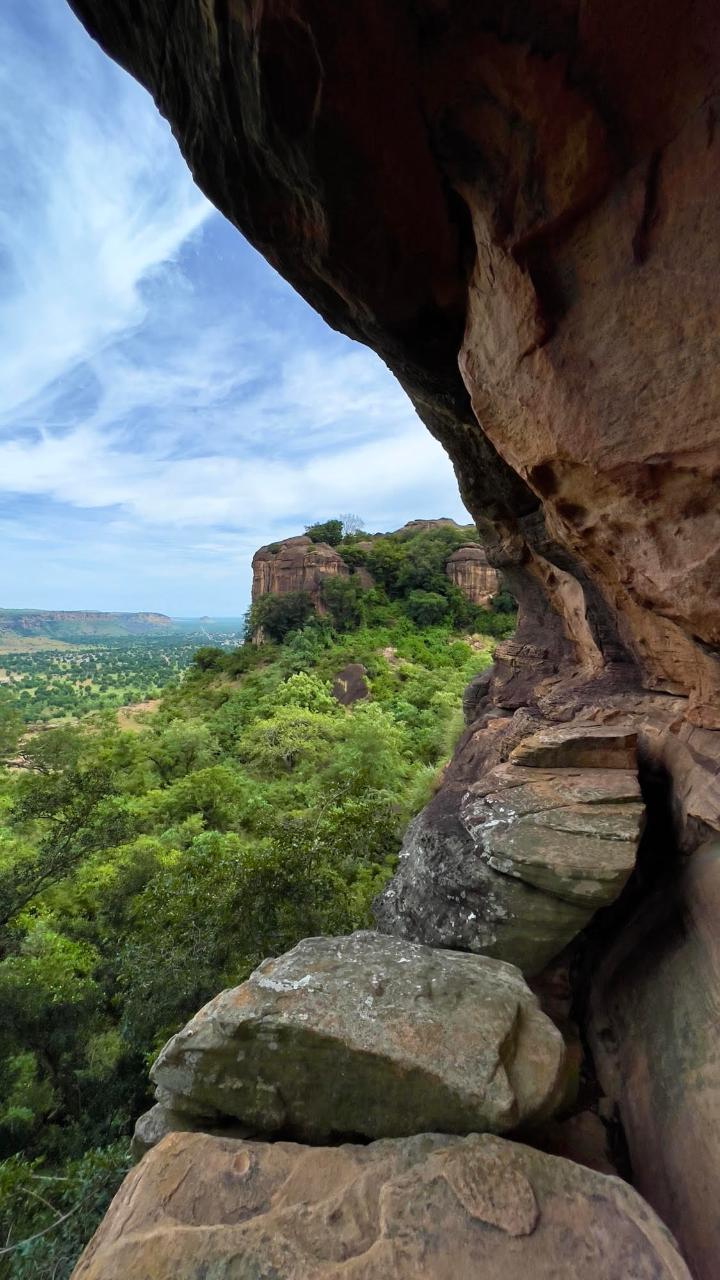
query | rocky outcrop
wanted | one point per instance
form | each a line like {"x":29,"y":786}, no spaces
{"x":367,"y":1035}
{"x":531,"y":248}
{"x":350,"y":685}
{"x":516,"y":864}
{"x":297,"y":564}
{"x":655,"y":1013}
{"x":515,"y":206}
{"x":423,"y":1208}
{"x":469,"y":570}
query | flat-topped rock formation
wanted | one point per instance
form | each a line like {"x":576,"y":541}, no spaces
{"x":296,"y":564}
{"x":468,"y":568}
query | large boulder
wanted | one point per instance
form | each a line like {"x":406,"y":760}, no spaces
{"x":654,"y":1029}
{"x":372,"y":1036}
{"x":422,"y":1208}
{"x":515,"y":866}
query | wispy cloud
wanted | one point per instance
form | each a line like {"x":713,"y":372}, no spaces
{"x":99,"y":199}
{"x":160,"y":387}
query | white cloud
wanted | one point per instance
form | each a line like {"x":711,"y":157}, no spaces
{"x":99,"y":200}
{"x":166,"y":402}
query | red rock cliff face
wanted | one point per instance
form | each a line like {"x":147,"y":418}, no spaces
{"x":468,"y":568}
{"x":297,"y":564}
{"x":516,"y":206}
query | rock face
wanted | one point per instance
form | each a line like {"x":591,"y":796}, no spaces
{"x":367,"y":1035}
{"x":655,"y":1014}
{"x":297,"y":564}
{"x":350,"y":685}
{"x":514,"y":205}
{"x":424,"y":1208}
{"x":468,"y":568}
{"x":516,"y":865}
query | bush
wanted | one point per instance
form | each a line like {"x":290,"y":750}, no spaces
{"x":330,"y":531}
{"x":208,"y":658}
{"x":426,"y":608}
{"x":46,"y":1219}
{"x":345,"y":601}
{"x":277,"y":616}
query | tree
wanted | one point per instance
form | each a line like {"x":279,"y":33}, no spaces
{"x":277,"y":616}
{"x":11,"y":724}
{"x":344,"y":599}
{"x":426,"y":608}
{"x":330,"y":531}
{"x":208,"y":658}
{"x":351,"y":524}
{"x":80,"y":814}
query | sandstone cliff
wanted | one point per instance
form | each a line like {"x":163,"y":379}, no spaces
{"x":468,"y":568}
{"x":516,"y":207}
{"x":296,"y":564}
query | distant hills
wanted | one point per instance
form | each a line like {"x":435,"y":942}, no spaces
{"x":75,"y":625}
{"x":26,"y":629}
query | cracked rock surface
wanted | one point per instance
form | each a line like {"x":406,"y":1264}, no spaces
{"x":423,"y":1208}
{"x":368,"y":1036}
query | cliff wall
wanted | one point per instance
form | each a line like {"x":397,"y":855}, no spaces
{"x":516,"y":206}
{"x":468,"y":568}
{"x":296,"y":564}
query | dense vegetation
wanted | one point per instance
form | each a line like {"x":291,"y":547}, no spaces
{"x":53,"y":684}
{"x":394,"y":577}
{"x":140,"y":872}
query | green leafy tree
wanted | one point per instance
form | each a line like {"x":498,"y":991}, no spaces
{"x":345,"y":602}
{"x":277,"y":616}
{"x":76,"y":813}
{"x":330,"y":531}
{"x":426,"y":608}
{"x":11,"y":724}
{"x":208,"y":658}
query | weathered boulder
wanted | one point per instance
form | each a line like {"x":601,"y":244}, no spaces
{"x":422,"y":1208}
{"x":161,"y":1120}
{"x":516,"y":865}
{"x":655,"y":1034}
{"x":350,"y":685}
{"x":372,"y":1036}
{"x":469,"y":570}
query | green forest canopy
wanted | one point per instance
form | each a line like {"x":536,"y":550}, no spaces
{"x":141,"y":872}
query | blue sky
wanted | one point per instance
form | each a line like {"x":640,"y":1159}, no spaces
{"x":167,"y":403}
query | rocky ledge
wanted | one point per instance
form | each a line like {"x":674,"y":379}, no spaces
{"x":422,"y":1208}
{"x":517,"y":864}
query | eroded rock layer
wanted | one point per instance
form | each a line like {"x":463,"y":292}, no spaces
{"x":424,"y":1208}
{"x":516,"y":863}
{"x":296,"y":564}
{"x":655,"y":1031}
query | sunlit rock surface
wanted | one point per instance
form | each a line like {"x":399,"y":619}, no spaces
{"x":424,"y":1208}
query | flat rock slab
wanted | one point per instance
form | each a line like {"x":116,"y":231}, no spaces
{"x":423,"y":1208}
{"x":368,"y":1036}
{"x":515,"y":866}
{"x":578,"y":746}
